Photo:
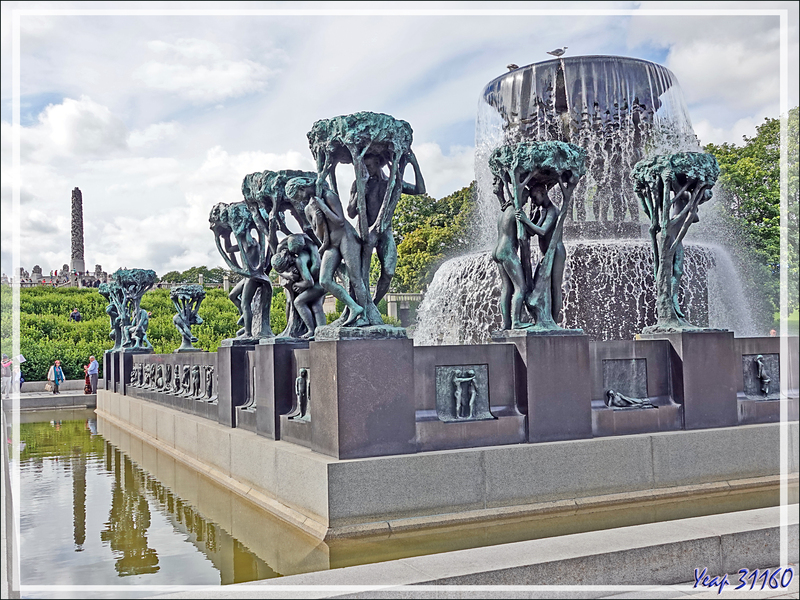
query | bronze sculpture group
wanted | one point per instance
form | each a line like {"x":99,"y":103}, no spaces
{"x":295,"y":223}
{"x":326,"y":253}
{"x":670,"y":188}
{"x":523,"y":175}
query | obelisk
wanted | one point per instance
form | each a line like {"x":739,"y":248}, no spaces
{"x":76,"y":261}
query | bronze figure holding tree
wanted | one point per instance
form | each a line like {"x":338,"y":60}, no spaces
{"x":670,"y":188}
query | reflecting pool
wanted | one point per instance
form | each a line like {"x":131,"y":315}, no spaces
{"x":101,"y":507}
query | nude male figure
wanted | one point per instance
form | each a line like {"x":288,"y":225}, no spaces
{"x":376,"y":185}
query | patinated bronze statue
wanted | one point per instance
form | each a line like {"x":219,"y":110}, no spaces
{"x":522,"y":172}
{"x":370,"y":141}
{"x":617,"y":400}
{"x":671,"y":188}
{"x":298,"y":262}
{"x":762,"y":374}
{"x":340,"y":244}
{"x":186,"y":299}
{"x":129,"y":320}
{"x":234,"y":223}
{"x":112,"y":292}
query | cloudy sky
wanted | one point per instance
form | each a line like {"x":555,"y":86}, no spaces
{"x":158,"y":117}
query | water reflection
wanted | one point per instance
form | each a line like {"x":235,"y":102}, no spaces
{"x":126,"y":525}
{"x":136,"y":515}
{"x":129,"y":519}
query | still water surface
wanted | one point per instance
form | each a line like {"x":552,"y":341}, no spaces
{"x":92,"y":514}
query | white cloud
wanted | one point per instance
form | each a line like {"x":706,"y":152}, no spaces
{"x":705,"y":72}
{"x":76,"y":129}
{"x":153,"y":133}
{"x":198,"y":71}
{"x":188,"y":48}
{"x":444,"y":174}
{"x":708,"y":134}
{"x":219,"y":178}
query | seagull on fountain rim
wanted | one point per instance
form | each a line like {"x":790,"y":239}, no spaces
{"x":512,"y":67}
{"x":558,"y":51}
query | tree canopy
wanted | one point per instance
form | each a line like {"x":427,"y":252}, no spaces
{"x":751,"y":175}
{"x":428,"y":231}
{"x":191,"y":275}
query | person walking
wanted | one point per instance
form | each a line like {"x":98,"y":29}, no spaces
{"x":75,"y":315}
{"x":55,"y":376}
{"x":7,"y":373}
{"x":92,"y":372}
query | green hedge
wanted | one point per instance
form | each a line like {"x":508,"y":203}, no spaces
{"x":47,"y":334}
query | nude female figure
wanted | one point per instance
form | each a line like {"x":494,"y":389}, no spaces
{"x":546,"y":214}
{"x":507,"y":255}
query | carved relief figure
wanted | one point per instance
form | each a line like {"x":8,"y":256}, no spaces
{"x":195,"y":391}
{"x":464,"y":403}
{"x":762,"y":374}
{"x":167,"y":378}
{"x":176,"y":380}
{"x":159,"y":378}
{"x":209,"y":383}
{"x":186,"y":380}
{"x":302,"y":389}
{"x":617,"y":400}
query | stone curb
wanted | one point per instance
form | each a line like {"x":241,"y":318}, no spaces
{"x":655,"y":554}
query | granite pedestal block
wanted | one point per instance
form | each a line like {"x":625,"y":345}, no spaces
{"x":297,"y":428}
{"x":558,"y":387}
{"x":441,"y":429}
{"x":275,"y":373}
{"x":234,"y":377}
{"x":637,"y":369}
{"x":755,"y":406}
{"x":111,"y":371}
{"x":704,"y":375}
{"x":792,"y":379}
{"x":362,"y":397}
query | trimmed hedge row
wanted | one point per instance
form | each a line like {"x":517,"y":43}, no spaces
{"x":47,"y":333}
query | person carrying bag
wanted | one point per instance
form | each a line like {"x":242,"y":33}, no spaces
{"x":54,"y":378}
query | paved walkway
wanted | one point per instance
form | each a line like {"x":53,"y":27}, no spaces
{"x":45,"y":400}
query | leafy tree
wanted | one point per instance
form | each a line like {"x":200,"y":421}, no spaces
{"x":793,"y":205}
{"x":192,"y":275}
{"x":427,"y":231}
{"x":751,"y":175}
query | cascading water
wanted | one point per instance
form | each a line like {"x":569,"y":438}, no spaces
{"x":620,"y":110}
{"x":462,"y":303}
